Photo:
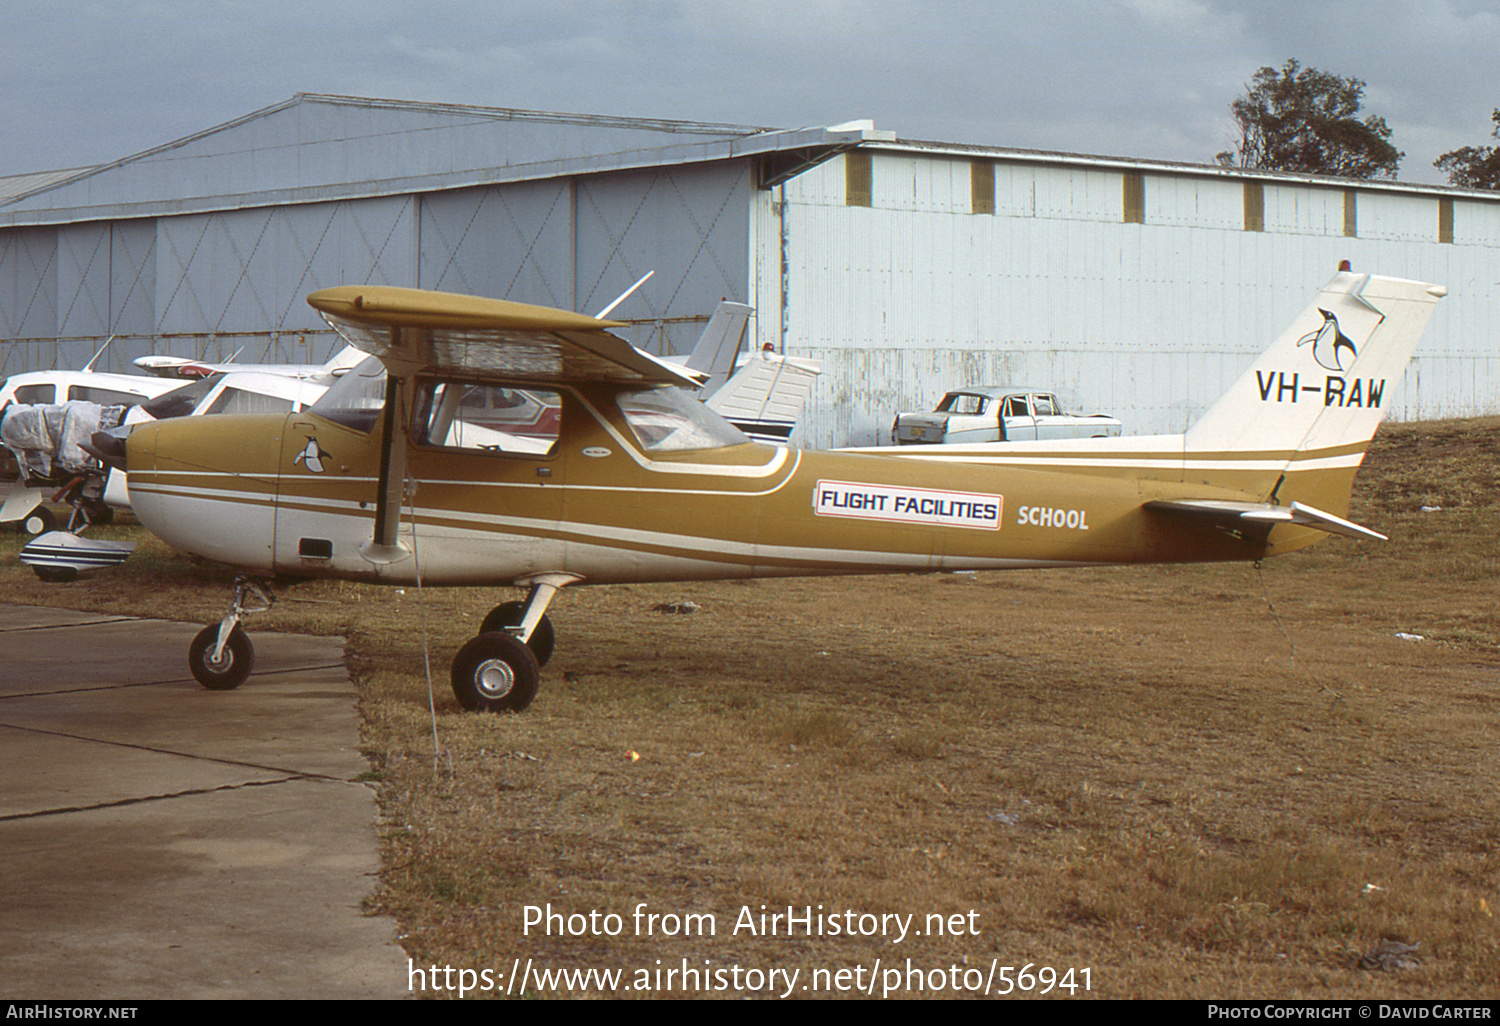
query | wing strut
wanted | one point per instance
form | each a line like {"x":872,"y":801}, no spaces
{"x":385,"y":547}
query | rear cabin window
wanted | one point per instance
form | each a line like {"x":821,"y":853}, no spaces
{"x":104,"y":396}
{"x":962,"y":402}
{"x":671,"y":420}
{"x":237,"y":400}
{"x":35,"y":395}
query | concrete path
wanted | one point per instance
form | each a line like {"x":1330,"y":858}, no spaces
{"x":158,"y":840}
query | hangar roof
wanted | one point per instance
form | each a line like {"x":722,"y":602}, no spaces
{"x":15,"y":186}
{"x":316,"y":147}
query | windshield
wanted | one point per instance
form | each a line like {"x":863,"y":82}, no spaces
{"x":180,"y":401}
{"x":671,"y":420}
{"x":356,"y":398}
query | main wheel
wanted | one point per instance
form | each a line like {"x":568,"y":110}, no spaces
{"x":510,"y":614}
{"x":231,"y":669}
{"x":38,"y":521}
{"x":495,"y":672}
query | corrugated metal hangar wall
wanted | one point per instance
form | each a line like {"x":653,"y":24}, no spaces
{"x":209,"y":246}
{"x":207,"y":285}
{"x":1141,"y":292}
{"x":1133,"y":288}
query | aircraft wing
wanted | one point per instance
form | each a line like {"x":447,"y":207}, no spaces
{"x":1239,"y":514}
{"x":414,"y":330}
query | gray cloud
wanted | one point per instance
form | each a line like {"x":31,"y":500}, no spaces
{"x":88,"y":82}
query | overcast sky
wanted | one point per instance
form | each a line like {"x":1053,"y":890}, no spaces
{"x":89,"y":82}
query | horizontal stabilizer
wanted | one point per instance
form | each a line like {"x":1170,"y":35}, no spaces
{"x":1238,"y":513}
{"x":766,"y":397}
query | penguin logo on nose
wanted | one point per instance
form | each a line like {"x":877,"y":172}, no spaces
{"x":1329,"y":343}
{"x":312,"y":456}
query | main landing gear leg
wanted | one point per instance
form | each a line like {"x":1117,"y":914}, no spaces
{"x":501,"y":669}
{"x":221,"y":656}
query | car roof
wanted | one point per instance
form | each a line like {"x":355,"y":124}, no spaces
{"x":994,"y":391}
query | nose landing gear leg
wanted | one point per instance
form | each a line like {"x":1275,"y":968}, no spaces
{"x":221,"y":656}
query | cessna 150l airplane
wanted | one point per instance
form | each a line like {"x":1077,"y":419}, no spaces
{"x":439,"y":470}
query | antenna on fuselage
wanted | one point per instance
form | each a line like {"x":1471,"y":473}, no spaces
{"x":88,"y":368}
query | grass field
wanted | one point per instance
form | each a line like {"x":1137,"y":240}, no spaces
{"x":1192,"y":782}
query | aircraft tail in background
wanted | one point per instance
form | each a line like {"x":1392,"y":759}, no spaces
{"x":718,"y":347}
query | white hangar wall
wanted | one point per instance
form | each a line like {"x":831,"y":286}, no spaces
{"x":1139,"y":292}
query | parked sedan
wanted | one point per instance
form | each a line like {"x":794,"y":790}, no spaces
{"x":1010,"y":414}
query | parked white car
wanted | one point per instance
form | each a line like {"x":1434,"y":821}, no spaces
{"x":1011,"y":414}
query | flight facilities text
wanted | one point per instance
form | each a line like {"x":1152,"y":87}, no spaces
{"x":908,"y":505}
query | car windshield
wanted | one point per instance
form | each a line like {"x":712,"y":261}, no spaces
{"x":356,"y":398}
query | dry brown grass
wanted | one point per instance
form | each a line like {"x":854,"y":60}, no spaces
{"x":1205,"y":781}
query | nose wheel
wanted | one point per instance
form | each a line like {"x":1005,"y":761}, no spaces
{"x":221,"y":656}
{"x":221,"y":667}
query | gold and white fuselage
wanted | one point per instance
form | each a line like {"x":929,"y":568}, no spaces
{"x":521,"y":445}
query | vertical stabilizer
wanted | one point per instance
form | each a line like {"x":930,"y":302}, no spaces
{"x":1323,"y":388}
{"x":714,"y":354}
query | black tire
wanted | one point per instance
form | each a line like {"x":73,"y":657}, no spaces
{"x":510,"y":614}
{"x":56,"y":574}
{"x":495,"y":672}
{"x":232,"y":669}
{"x":38,"y":521}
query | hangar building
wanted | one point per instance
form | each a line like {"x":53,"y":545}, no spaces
{"x":1132,"y":287}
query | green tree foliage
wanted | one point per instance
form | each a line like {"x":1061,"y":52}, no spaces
{"x":1474,"y":167}
{"x":1306,"y":120}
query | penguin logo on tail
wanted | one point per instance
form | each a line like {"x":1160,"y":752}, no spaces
{"x":312,"y":456}
{"x":1329,"y":343}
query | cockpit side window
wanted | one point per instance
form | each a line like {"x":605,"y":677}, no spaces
{"x":486,"y":417}
{"x":103,"y":396}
